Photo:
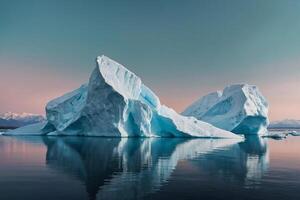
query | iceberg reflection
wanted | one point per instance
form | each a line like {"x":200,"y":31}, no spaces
{"x":243,"y":164}
{"x":120,"y":168}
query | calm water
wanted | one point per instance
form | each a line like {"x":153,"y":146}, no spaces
{"x":61,"y":168}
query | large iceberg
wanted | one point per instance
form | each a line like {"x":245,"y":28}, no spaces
{"x":116,"y":103}
{"x":239,"y":108}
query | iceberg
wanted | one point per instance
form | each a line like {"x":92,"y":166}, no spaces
{"x":239,"y":108}
{"x":294,"y":133}
{"x":115,"y":103}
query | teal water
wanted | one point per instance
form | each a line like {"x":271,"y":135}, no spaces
{"x":61,"y":168}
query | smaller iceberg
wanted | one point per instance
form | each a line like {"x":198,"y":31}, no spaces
{"x":240,"y":108}
{"x":294,"y":133}
{"x":115,"y":103}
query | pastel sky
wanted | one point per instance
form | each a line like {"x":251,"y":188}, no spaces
{"x":180,"y":49}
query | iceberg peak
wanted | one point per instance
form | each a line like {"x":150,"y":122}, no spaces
{"x":116,"y":103}
{"x":240,"y":108}
{"x":119,"y":78}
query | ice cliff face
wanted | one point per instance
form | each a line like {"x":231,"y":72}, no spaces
{"x":238,"y":108}
{"x":116,"y":103}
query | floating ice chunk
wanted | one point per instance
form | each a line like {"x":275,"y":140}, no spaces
{"x":294,"y":133}
{"x":239,"y":108}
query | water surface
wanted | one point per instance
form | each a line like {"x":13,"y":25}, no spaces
{"x":63,"y":168}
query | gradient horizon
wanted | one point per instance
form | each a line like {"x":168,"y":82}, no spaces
{"x":182,"y":51}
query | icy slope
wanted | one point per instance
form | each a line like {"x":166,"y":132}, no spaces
{"x":116,"y":103}
{"x":238,"y":108}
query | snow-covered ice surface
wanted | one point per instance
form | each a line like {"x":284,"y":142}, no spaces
{"x":116,"y":103}
{"x":294,"y":133}
{"x":238,"y":108}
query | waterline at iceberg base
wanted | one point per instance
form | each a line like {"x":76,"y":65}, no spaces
{"x":115,"y":103}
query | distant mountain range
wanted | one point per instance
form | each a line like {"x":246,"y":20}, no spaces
{"x":287,"y":123}
{"x":13,"y":120}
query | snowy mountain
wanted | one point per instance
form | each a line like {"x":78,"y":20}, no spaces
{"x":10,"y":119}
{"x":287,"y":123}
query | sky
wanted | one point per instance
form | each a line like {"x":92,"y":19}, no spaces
{"x":182,"y":50}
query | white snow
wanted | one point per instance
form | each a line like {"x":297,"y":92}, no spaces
{"x":188,"y":126}
{"x":238,"y":108}
{"x":294,"y":133}
{"x":119,"y":78}
{"x":116,"y":103}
